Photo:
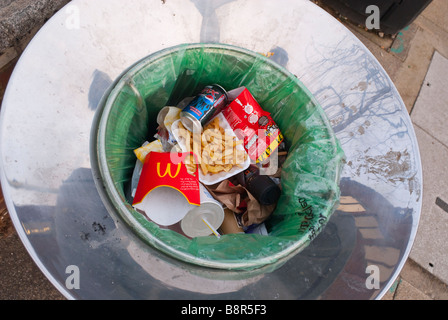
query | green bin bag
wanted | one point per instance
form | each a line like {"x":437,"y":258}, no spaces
{"x":310,"y":176}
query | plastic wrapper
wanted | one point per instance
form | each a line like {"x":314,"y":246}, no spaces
{"x":309,"y":175}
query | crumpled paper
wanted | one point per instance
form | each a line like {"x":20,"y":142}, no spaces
{"x":239,"y":200}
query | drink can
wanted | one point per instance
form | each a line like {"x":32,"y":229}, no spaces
{"x":262,"y":187}
{"x":204,"y":107}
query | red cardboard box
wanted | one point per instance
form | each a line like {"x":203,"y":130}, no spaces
{"x":252,"y":124}
{"x":167,"y":169}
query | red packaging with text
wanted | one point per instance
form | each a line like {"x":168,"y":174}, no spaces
{"x":168,"y":170}
{"x":252,"y":124}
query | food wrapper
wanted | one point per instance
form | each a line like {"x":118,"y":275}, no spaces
{"x":252,"y":124}
{"x":146,"y":148}
{"x":239,"y":200}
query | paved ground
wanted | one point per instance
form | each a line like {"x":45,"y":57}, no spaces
{"x":415,"y":60}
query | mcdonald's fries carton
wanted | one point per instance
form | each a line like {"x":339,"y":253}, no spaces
{"x":168,"y":187}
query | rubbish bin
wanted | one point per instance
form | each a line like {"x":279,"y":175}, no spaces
{"x":394,"y":14}
{"x":310,"y":175}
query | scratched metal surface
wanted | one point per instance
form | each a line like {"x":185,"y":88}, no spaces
{"x":49,"y":188}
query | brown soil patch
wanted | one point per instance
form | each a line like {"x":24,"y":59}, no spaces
{"x":6,"y":226}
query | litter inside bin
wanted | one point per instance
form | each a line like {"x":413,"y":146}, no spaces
{"x":220,"y":154}
{"x":309,"y":173}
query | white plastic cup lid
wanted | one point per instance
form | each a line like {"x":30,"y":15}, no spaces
{"x":193,"y":225}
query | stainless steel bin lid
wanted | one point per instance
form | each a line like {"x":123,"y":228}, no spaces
{"x":47,"y":180}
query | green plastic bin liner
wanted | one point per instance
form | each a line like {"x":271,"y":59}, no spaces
{"x":310,"y":176}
